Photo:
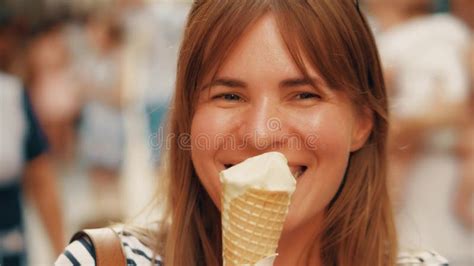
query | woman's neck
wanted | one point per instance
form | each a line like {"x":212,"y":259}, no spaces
{"x":300,"y":246}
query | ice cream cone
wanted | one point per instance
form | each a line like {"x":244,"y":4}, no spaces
{"x":252,"y":224}
{"x":255,"y":198}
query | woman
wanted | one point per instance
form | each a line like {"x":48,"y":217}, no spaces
{"x":311,"y":67}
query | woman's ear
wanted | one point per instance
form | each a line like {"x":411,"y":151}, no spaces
{"x":362,"y":128}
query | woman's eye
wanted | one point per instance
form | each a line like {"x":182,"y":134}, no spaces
{"x":228,"y":97}
{"x":307,"y":95}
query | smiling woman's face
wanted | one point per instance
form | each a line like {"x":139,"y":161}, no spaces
{"x":259,"y":101}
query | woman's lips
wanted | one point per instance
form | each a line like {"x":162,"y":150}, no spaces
{"x":296,"y":170}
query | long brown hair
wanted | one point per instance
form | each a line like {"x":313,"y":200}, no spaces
{"x":336,"y":40}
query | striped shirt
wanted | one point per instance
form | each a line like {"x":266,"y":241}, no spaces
{"x":81,"y":252}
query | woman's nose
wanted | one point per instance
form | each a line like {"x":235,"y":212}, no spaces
{"x":263,"y":126}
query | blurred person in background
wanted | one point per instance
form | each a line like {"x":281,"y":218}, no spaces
{"x":13,"y":30}
{"x":427,"y":77}
{"x":152,"y":31}
{"x":55,"y":90}
{"x":102,"y":132}
{"x":24,"y":167}
{"x":24,"y":164}
{"x":464,"y":196}
{"x":154,"y":51}
{"x":9,"y":40}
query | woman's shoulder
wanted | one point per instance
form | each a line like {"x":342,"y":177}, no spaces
{"x":137,"y":252}
{"x":81,"y":252}
{"x":420,"y":257}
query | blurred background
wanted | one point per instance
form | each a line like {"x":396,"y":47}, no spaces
{"x":85,"y":86}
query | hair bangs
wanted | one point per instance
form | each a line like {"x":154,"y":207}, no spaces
{"x":223,"y":31}
{"x":314,"y":40}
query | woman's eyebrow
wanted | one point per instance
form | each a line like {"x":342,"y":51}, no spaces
{"x":227,"y":82}
{"x":296,"y":82}
{"x":287,"y":83}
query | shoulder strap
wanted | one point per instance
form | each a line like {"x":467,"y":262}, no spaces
{"x":107,"y":246}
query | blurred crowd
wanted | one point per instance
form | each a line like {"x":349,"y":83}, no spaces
{"x":85,"y":87}
{"x":428,"y":60}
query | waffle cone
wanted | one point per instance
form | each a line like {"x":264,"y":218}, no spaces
{"x":252,"y":224}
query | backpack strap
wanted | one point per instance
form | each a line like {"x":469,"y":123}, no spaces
{"x":107,"y":246}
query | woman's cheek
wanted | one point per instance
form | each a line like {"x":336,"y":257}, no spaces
{"x":327,"y":132}
{"x":206,"y":127}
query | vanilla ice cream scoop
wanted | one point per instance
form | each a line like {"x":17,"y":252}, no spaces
{"x":268,"y":171}
{"x":255,"y":199}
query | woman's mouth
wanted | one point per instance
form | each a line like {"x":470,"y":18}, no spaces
{"x":296,"y":171}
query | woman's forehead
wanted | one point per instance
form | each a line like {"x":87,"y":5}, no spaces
{"x":291,"y":43}
{"x":261,"y":52}
{"x":261,"y":43}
